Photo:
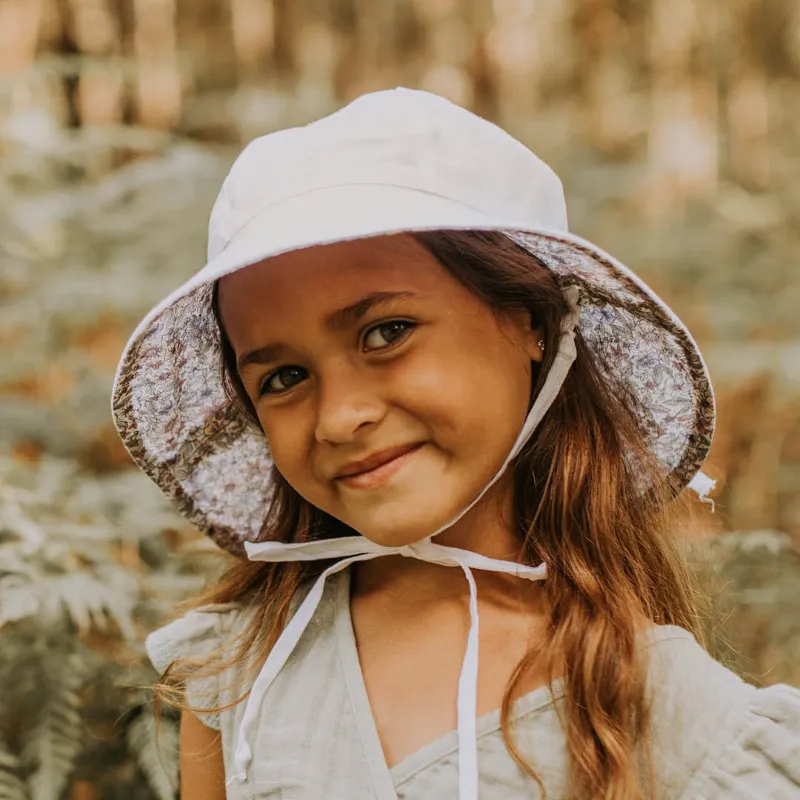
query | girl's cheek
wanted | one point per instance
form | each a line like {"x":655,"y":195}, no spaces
{"x":434,"y":387}
{"x":293,"y":434}
{"x":279,"y":434}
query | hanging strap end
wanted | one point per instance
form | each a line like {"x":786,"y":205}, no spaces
{"x":702,"y":484}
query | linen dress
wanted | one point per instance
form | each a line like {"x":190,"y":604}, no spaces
{"x":714,"y":736}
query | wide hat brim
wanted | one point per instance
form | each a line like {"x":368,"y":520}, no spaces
{"x":180,"y":427}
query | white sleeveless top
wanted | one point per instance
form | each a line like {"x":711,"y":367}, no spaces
{"x":715,"y":737}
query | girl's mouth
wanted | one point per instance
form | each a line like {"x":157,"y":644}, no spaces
{"x":378,"y":469}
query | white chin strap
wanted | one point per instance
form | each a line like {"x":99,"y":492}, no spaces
{"x":357,"y":548}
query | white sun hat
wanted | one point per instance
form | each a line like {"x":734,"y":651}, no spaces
{"x":392,"y":161}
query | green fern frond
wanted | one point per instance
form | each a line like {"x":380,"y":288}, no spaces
{"x":156,"y":752}
{"x":15,"y":520}
{"x":90,"y":602}
{"x":8,"y":760}
{"x":61,"y":575}
{"x":18,"y":599}
{"x":79,"y":593}
{"x":122,"y":591}
{"x":55,"y":740}
{"x":12,"y":787}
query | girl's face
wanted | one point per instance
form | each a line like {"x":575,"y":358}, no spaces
{"x":390,"y":395}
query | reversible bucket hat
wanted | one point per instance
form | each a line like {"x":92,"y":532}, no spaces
{"x":392,"y":161}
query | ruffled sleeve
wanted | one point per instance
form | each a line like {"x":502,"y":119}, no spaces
{"x":195,"y":635}
{"x":759,"y":756}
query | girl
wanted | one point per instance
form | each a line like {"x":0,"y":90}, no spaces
{"x":433,"y":425}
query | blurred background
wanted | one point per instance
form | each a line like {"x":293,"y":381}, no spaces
{"x":675,"y":127}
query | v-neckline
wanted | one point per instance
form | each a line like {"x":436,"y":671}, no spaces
{"x":386,"y":779}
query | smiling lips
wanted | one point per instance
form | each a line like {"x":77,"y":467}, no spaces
{"x":376,"y":469}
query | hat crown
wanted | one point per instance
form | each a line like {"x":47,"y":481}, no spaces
{"x":399,"y":137}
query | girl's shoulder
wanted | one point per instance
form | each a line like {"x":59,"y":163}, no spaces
{"x":194,"y":635}
{"x":199,"y":635}
{"x":209,"y":634}
{"x":714,"y":735}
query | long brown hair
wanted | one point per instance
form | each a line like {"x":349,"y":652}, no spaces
{"x":580,"y":507}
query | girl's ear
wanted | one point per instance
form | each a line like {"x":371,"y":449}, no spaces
{"x":536,"y":345}
{"x":529,"y":338}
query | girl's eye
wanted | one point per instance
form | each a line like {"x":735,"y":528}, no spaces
{"x":387,"y":333}
{"x":378,"y":337}
{"x":282,"y":380}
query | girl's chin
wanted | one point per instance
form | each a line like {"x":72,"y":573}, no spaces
{"x":395,"y":539}
{"x":398,"y":530}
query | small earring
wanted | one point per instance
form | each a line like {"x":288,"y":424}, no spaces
{"x":540,"y":344}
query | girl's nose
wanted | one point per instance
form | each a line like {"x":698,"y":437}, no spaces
{"x":348,"y":401}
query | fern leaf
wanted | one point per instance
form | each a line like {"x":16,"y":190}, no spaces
{"x":90,"y":602}
{"x":77,"y":591}
{"x":55,"y":740}
{"x":18,"y":600}
{"x":156,"y":753}
{"x":12,"y":560}
{"x":14,"y":519}
{"x":119,"y":601}
{"x":11,"y":786}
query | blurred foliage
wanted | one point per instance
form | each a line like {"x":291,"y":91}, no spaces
{"x":672,"y":125}
{"x":86,"y":569}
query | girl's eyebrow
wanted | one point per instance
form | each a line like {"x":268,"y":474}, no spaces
{"x":351,"y":314}
{"x":336,"y":320}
